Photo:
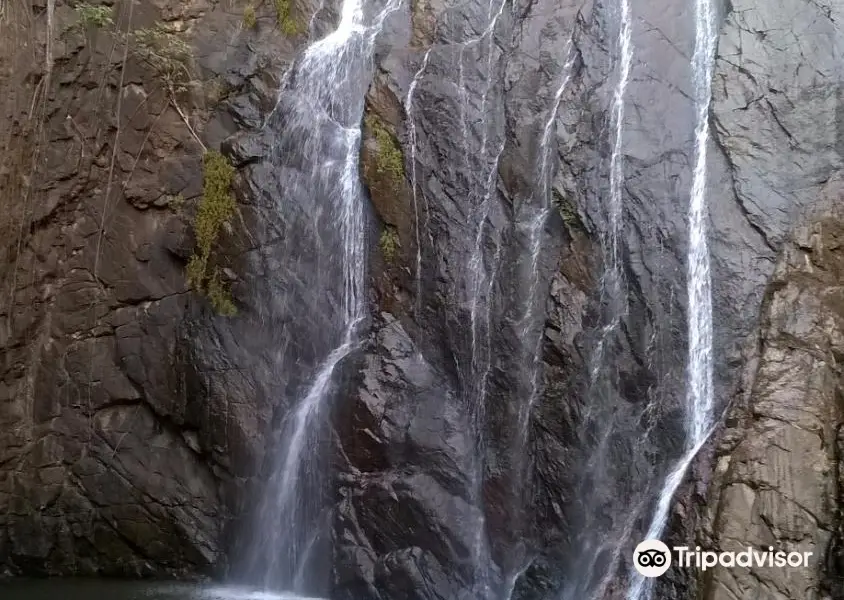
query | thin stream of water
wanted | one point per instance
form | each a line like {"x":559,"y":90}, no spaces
{"x":612,"y":283}
{"x":532,"y":319}
{"x":411,"y":124}
{"x":480,"y":279}
{"x":598,"y":416}
{"x":533,"y":308}
{"x":699,"y":390}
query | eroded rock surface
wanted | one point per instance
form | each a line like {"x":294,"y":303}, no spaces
{"x":127,"y":426}
{"x":777,"y":474}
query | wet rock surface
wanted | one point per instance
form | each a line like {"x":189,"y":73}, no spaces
{"x":134,"y":420}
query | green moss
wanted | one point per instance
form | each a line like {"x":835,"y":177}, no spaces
{"x":220,"y":296}
{"x":389,"y":244}
{"x":249,"y":18}
{"x":567,"y":211}
{"x":216,"y":207}
{"x":389,"y":160}
{"x":288,"y":25}
{"x":93,"y":16}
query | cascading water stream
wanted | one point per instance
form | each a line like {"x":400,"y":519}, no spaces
{"x":411,"y":124}
{"x":480,"y":279}
{"x":591,"y":573}
{"x":613,"y":295}
{"x":532,"y":320}
{"x":323,"y":107}
{"x":612,"y":281}
{"x":699,"y":391}
{"x":533,"y":313}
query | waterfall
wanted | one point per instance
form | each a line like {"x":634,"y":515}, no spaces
{"x":612,"y":281}
{"x":532,"y":321}
{"x":323,"y":104}
{"x":534,"y":315}
{"x":617,"y":159}
{"x":699,"y":392}
{"x":480,"y":279}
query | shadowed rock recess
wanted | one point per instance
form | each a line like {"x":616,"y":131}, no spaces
{"x":466,"y":446}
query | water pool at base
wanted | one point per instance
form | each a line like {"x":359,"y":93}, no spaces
{"x":103,"y":589}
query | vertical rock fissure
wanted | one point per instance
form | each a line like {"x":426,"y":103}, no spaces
{"x":411,"y":125}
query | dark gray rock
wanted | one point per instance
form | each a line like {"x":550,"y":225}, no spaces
{"x":405,"y":507}
{"x":128,"y":426}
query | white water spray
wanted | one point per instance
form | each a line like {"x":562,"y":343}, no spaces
{"x":617,"y":159}
{"x":699,"y":391}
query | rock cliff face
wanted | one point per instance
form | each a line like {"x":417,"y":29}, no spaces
{"x":126,"y":425}
{"x":777,"y":473}
{"x":136,"y":423}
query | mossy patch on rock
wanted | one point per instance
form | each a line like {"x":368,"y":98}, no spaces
{"x":286,"y":22}
{"x":216,"y":207}
{"x":567,"y":211}
{"x":93,"y":16}
{"x":220,"y":296}
{"x":389,"y":244}
{"x":250,"y":20}
{"x":389,"y":160}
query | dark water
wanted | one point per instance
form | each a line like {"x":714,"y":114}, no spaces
{"x":102,"y":589}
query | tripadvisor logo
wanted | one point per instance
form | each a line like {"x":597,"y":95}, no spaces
{"x":652,"y":558}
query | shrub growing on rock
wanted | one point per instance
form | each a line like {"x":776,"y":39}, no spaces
{"x":390,"y":244}
{"x":389,"y":160}
{"x":169,"y":55}
{"x":93,"y":16}
{"x":216,"y":207}
{"x":249,"y":18}
{"x":286,"y":22}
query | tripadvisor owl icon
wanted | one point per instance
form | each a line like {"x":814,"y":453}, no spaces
{"x":651,"y":558}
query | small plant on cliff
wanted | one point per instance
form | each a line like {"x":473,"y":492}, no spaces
{"x":162,"y":49}
{"x":389,"y":160}
{"x":286,"y":22}
{"x":216,"y":207}
{"x":250,"y":20}
{"x":567,"y":211}
{"x":390,"y":245}
{"x":93,"y":16}
{"x":220,"y":296}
